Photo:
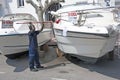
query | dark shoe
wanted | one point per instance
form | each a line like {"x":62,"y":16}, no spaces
{"x":40,"y":68}
{"x":34,"y":70}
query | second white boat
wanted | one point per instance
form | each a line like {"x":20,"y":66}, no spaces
{"x":85,"y":31}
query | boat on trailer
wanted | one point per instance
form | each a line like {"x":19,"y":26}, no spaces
{"x":85,"y":31}
{"x":14,"y":33}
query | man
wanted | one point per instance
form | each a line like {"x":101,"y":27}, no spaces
{"x":33,"y":49}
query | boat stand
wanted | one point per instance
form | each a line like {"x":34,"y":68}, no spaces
{"x":59,"y":53}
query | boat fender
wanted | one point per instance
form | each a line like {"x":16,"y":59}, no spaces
{"x":65,"y":31}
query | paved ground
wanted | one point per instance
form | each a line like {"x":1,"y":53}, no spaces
{"x":72,"y":70}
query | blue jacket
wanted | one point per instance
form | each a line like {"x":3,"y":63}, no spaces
{"x":33,"y":44}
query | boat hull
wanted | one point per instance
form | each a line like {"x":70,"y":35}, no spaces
{"x":16,"y":43}
{"x":82,"y":45}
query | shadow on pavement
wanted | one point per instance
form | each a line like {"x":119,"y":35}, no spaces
{"x":104,"y":66}
{"x":22,"y":62}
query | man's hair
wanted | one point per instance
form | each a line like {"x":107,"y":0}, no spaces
{"x":31,"y":26}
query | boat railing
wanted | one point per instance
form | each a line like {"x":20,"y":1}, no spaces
{"x":82,"y":18}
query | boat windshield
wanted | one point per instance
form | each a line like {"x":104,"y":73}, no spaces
{"x":80,"y":17}
{"x":76,"y":4}
{"x":18,"y":17}
{"x":8,"y":20}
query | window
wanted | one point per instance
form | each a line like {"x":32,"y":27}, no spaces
{"x":20,"y":3}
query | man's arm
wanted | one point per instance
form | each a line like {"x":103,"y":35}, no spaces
{"x":37,"y":32}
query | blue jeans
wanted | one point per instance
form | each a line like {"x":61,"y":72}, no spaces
{"x":34,"y":59}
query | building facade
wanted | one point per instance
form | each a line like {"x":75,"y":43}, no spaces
{"x":20,"y":6}
{"x":16,"y":6}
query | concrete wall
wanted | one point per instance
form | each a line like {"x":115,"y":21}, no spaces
{"x":117,"y":3}
{"x":27,"y":8}
{"x":2,"y":7}
{"x":11,"y":6}
{"x":102,"y":2}
{"x":112,"y":3}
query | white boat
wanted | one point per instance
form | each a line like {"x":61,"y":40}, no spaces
{"x":86,"y":31}
{"x":14,"y":33}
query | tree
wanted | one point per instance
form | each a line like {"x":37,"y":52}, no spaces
{"x":40,"y":9}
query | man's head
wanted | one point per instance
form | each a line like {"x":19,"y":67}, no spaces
{"x":31,"y":26}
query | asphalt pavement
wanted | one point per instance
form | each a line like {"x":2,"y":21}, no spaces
{"x":59,"y":68}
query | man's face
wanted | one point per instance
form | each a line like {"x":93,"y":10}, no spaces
{"x":32,"y":27}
